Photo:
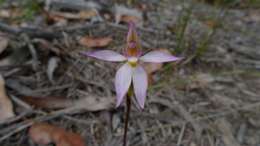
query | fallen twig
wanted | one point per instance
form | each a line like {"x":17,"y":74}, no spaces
{"x":31,"y":32}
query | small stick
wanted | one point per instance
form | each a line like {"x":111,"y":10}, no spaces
{"x":127,"y":114}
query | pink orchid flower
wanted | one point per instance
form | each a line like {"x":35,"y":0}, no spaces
{"x":132,"y":71}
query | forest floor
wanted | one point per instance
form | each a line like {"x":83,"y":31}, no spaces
{"x":210,"y":98}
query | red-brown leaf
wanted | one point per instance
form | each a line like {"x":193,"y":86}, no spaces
{"x":128,"y":18}
{"x":89,"y":103}
{"x":43,"y":133}
{"x":49,"y":102}
{"x":95,"y":42}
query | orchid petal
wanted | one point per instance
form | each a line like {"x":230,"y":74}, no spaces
{"x":123,"y":82}
{"x":106,"y":55}
{"x":132,"y":34}
{"x":140,"y":82}
{"x":158,"y":57}
{"x":133,"y":44}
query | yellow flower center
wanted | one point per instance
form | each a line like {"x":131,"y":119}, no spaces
{"x":132,"y":61}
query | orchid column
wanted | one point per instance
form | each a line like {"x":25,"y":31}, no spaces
{"x":131,"y":73}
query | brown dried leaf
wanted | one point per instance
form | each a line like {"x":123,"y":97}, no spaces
{"x":124,"y":14}
{"x":49,"y":102}
{"x":87,"y":14}
{"x":6,"y":107}
{"x":51,"y":18}
{"x":95,"y":42}
{"x":127,"y":19}
{"x":43,"y":133}
{"x":89,"y":103}
{"x":80,"y":15}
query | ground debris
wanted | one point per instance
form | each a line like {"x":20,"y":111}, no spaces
{"x":43,"y":133}
{"x":226,"y":130}
{"x":6,"y":106}
{"x":95,"y":41}
{"x":208,"y":99}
